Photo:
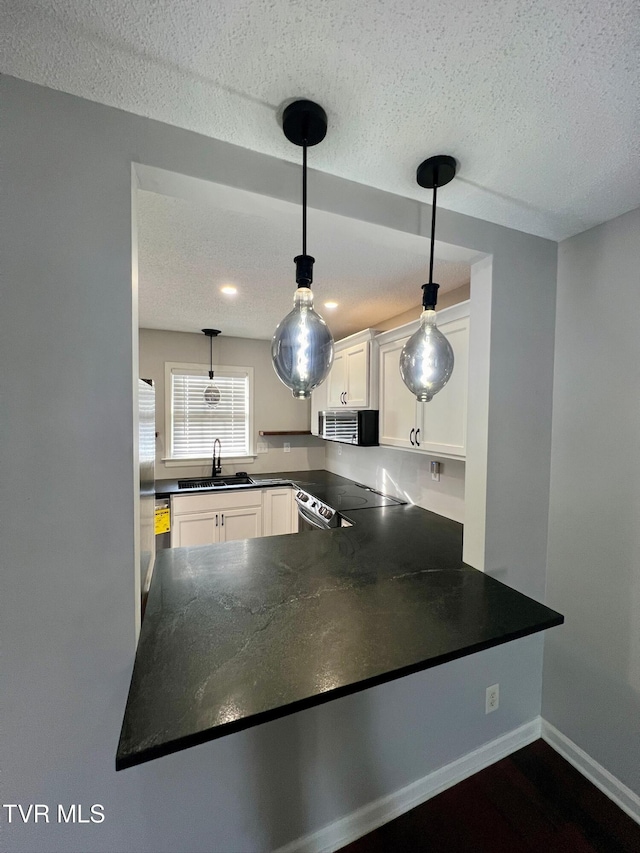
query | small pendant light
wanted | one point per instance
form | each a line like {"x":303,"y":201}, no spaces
{"x":426,"y":361}
{"x":302,"y":345}
{"x":211,"y":392}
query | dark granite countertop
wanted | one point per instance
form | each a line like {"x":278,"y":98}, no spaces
{"x":240,"y":633}
{"x":316,"y":481}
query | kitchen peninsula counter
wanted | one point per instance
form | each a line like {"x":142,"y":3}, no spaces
{"x":239,"y":633}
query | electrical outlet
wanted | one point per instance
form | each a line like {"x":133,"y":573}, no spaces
{"x":492,"y":700}
{"x":435,"y":471}
{"x":287,"y":447}
{"x":339,"y":450}
{"x":262,"y":447}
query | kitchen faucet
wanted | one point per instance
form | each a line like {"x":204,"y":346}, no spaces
{"x":216,"y":466}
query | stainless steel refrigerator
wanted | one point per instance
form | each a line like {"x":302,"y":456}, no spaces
{"x":147,"y":457}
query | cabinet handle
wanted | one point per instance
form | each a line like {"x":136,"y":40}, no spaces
{"x":411,"y":436}
{"x":222,"y":525}
{"x":216,"y":519}
{"x":417,"y":434}
{"x":345,"y":398}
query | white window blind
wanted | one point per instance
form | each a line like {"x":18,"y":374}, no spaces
{"x":196,"y":423}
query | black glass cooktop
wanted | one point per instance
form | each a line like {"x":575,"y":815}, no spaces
{"x":355,"y":496}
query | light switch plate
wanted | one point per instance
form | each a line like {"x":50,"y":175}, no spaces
{"x":287,"y":447}
{"x":262,"y":447}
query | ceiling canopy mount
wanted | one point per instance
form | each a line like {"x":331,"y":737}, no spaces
{"x":304,"y":123}
{"x":436,"y":171}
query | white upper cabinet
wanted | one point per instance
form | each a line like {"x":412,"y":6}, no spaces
{"x":440,"y":426}
{"x":352,"y":382}
{"x":398,"y":406}
{"x":357,"y":375}
{"x":336,"y":382}
{"x":444,"y":419}
{"x":319,"y":403}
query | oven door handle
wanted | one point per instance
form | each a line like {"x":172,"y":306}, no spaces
{"x":311,"y":519}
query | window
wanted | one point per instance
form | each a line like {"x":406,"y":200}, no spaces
{"x":199,"y":410}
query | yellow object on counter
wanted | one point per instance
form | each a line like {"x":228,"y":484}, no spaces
{"x":162,"y":520}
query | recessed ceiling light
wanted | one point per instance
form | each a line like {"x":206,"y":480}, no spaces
{"x":330,"y":304}
{"x":229,"y":289}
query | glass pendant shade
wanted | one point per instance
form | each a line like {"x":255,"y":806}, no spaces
{"x":426,"y":361}
{"x":302,"y":347}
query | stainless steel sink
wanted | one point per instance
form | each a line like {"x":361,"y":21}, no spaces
{"x":215,"y":482}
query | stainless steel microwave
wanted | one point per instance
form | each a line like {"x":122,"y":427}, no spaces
{"x":353,"y":426}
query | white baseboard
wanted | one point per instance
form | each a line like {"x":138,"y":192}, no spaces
{"x":622,"y":796}
{"x":373,"y":815}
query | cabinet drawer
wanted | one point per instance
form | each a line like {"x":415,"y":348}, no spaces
{"x":181,"y":504}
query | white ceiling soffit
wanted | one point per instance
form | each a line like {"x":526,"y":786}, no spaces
{"x":189,"y":247}
{"x":539,"y":101}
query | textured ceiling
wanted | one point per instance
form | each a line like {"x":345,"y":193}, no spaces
{"x":188,"y":249}
{"x":537,"y":99}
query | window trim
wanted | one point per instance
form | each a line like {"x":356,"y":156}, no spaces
{"x":177,"y":461}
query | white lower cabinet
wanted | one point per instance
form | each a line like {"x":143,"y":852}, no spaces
{"x":207,"y":518}
{"x":280,"y":512}
{"x":194,"y":528}
{"x":440,"y":426}
{"x":240,"y":523}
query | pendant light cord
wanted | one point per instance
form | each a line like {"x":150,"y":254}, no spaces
{"x":304,"y":197}
{"x":304,"y":263}
{"x":430,"y":290}
{"x":433,"y":227}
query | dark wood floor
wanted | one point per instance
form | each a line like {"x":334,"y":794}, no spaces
{"x":531,"y":802}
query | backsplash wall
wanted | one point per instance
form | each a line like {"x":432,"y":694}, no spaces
{"x":402,"y":474}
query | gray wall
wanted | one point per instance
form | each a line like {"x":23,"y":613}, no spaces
{"x":445,"y":300}
{"x":275,"y":407}
{"x":67,"y":510}
{"x":592,"y":666}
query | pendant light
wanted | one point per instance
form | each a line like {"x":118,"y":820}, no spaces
{"x":302,"y":345}
{"x":426,"y":361}
{"x":211,"y":392}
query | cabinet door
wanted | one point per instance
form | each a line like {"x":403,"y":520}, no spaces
{"x":397,"y":404}
{"x":318,"y":404}
{"x":240,"y":523}
{"x":357,"y":375}
{"x":443,"y":426}
{"x":336,"y":383}
{"x":277,"y":515}
{"x":196,"y":528}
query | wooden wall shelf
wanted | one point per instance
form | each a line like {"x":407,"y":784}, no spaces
{"x":285,"y":432}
